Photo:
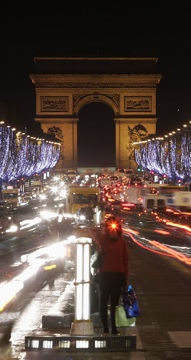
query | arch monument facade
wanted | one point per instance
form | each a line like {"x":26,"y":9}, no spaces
{"x":127,"y":85}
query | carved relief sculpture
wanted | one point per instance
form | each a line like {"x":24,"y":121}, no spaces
{"x":54,"y":103}
{"x":135,"y":134}
{"x":135,"y":103}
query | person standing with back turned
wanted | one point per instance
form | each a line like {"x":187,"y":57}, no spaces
{"x":114,"y":271}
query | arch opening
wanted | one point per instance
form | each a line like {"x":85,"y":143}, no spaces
{"x":96,"y":136}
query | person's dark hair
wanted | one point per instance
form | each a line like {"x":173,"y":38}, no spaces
{"x":113,"y":227}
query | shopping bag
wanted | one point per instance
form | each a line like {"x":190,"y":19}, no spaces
{"x":130,"y":302}
{"x":120,"y":317}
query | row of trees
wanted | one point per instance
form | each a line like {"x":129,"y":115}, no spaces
{"x":169,"y":155}
{"x":22,"y":155}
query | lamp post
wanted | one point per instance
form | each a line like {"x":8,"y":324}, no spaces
{"x":82,"y":324}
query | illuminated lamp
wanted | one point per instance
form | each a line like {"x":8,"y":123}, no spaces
{"x":82,"y":325}
{"x":114,"y":226}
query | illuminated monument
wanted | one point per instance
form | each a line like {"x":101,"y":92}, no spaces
{"x":128,"y":86}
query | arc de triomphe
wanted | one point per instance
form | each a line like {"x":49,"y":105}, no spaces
{"x":128,"y":86}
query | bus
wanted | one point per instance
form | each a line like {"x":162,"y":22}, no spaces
{"x":81,"y":196}
{"x":154,"y":201}
{"x":166,"y":190}
{"x":12,"y":196}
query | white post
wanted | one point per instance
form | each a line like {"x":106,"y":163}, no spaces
{"x":82,"y":324}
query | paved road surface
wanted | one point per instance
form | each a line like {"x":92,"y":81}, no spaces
{"x":163,"y":330}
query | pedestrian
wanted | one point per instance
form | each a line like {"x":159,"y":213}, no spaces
{"x":114,"y":271}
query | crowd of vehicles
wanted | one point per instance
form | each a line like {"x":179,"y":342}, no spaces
{"x":63,"y":198}
{"x":103,"y":192}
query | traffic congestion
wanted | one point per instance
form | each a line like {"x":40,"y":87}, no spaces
{"x":52,"y":216}
{"x":37,"y":238}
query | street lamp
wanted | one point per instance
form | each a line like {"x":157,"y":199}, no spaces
{"x":82,"y":324}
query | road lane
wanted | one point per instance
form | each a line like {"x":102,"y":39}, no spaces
{"x":162,"y":285}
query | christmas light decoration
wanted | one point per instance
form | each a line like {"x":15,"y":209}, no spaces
{"x":23,"y":156}
{"x":168,"y":156}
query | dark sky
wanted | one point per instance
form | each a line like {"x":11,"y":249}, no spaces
{"x":137,"y":28}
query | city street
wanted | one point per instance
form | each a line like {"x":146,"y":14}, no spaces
{"x":163,"y":330}
{"x":95,"y":150}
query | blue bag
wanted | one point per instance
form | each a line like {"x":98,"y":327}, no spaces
{"x":130,"y":302}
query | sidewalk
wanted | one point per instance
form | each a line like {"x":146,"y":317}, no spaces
{"x":56,"y":327}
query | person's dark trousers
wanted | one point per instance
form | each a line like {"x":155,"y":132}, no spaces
{"x":109,"y":294}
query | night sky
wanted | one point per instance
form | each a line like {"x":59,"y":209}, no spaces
{"x":137,"y":28}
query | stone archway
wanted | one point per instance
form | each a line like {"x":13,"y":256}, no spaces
{"x":127,"y":85}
